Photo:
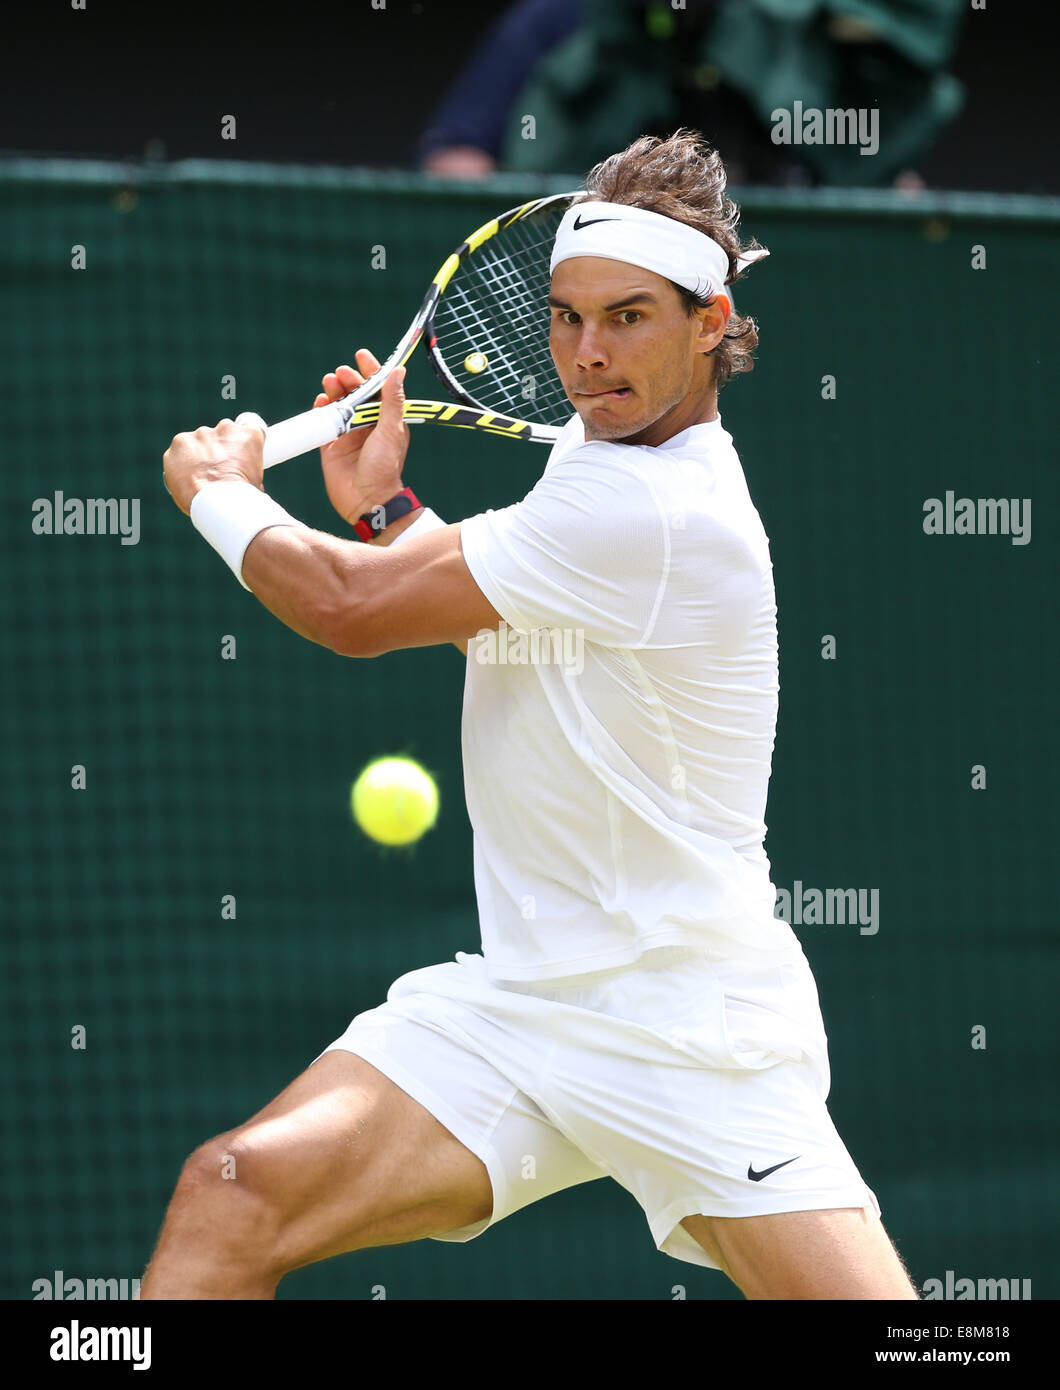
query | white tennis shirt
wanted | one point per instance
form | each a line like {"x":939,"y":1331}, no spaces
{"x":618,"y":731}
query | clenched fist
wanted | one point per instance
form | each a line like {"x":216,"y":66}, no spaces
{"x":228,"y":452}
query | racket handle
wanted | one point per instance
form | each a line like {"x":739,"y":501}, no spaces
{"x":287,"y":439}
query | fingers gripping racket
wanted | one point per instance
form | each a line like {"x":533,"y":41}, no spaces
{"x":485,"y":320}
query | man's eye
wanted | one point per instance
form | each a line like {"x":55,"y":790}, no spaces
{"x":629,"y":315}
{"x":568,"y":316}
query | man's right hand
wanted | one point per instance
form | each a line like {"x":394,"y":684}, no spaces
{"x":362,"y":469}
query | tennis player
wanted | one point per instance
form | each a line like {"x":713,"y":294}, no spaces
{"x":636,"y":1011}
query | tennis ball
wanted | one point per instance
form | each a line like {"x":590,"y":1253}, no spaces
{"x":394,"y":801}
{"x":476,"y":362}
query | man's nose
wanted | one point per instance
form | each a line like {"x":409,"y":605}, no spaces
{"x":591,"y":352}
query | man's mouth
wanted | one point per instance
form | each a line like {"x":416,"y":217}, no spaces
{"x":618,"y":393}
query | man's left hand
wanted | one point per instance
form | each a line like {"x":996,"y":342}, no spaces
{"x":226,"y":453}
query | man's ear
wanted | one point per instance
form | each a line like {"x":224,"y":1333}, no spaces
{"x":713,"y":318}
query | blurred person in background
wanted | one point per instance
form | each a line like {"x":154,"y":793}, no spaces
{"x":555,"y":84}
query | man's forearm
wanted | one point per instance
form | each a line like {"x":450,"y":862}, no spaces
{"x":308,"y":585}
{"x":312,"y":582}
{"x":321,"y":587}
{"x":329,"y":591}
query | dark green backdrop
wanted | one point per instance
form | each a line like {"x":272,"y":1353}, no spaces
{"x":207,"y":777}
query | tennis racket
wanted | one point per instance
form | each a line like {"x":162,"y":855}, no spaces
{"x":485,"y":320}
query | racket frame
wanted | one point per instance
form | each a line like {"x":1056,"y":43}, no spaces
{"x":320,"y":426}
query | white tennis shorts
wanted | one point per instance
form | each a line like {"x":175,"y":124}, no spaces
{"x":699,"y":1087}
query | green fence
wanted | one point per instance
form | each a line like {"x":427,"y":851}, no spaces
{"x":206,"y":777}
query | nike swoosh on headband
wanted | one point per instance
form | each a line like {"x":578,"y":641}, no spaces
{"x":579,"y":221}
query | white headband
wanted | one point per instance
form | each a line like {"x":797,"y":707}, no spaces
{"x":618,"y":232}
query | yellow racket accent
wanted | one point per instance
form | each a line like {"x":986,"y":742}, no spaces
{"x":445,"y":413}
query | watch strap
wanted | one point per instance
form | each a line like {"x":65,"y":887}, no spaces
{"x":375,"y":522}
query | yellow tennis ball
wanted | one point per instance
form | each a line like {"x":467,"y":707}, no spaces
{"x":394,"y":801}
{"x":476,"y":362}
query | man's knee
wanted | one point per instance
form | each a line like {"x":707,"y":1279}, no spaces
{"x":223,"y":1196}
{"x":244,"y":1195}
{"x":220,"y":1235}
{"x":209,"y":1166}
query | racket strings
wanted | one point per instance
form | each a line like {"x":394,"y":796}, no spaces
{"x":495,"y":316}
{"x":499,"y":324}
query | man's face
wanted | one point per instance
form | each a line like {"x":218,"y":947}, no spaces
{"x":623,"y":344}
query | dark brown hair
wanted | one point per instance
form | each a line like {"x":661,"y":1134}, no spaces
{"x":683,"y":178}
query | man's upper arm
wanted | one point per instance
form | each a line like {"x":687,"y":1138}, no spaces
{"x":419,"y":594}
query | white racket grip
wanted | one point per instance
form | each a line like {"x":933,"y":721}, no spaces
{"x":301,"y":433}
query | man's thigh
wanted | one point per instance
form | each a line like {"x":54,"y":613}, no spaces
{"x":403,"y":1128}
{"x":343,"y":1159}
{"x":839,"y":1254}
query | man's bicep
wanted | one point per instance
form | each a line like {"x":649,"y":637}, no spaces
{"x":421,"y":594}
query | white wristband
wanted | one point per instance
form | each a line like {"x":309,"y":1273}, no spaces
{"x":230,"y":514}
{"x":426,"y":521}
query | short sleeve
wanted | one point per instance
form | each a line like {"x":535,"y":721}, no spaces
{"x":586,"y":549}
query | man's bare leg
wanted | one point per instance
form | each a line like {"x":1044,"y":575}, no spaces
{"x":842,"y":1254}
{"x":341,"y":1160}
